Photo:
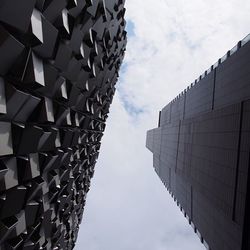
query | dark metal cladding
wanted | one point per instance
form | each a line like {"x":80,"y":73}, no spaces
{"x":201,"y":151}
{"x":59,"y":63}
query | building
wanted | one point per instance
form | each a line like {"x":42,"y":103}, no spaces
{"x":59,"y":63}
{"x":201,"y":151}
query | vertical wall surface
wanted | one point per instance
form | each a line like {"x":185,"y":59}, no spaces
{"x":201,"y":151}
{"x":59,"y":62}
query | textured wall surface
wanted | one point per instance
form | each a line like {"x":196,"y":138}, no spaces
{"x":201,"y":151}
{"x":59,"y":62}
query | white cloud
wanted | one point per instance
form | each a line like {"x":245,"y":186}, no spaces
{"x":175,"y":42}
{"x":128,"y":208}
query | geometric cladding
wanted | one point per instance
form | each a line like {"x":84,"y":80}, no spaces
{"x":201,"y":151}
{"x":59,"y":63}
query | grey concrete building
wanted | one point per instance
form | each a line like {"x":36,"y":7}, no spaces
{"x":201,"y":151}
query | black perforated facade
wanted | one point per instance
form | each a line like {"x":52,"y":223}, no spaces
{"x":201,"y":151}
{"x":59,"y":63}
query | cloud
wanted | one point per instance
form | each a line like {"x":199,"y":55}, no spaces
{"x":170,"y":44}
{"x":175,"y":42}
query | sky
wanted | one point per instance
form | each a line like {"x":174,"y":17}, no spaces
{"x":170,"y":44}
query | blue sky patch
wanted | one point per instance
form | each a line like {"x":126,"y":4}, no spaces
{"x":131,"y":109}
{"x":130,"y":27}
